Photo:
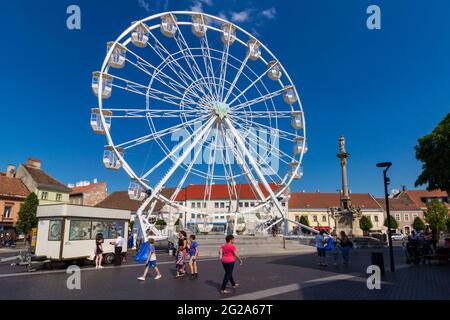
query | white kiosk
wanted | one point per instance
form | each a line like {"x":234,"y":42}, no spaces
{"x":68,"y":232}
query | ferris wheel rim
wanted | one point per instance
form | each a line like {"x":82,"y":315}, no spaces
{"x":127,"y":167}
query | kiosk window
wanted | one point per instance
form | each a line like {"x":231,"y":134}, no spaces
{"x":114,"y":227}
{"x":100,"y":227}
{"x":54,"y":230}
{"x":80,"y":230}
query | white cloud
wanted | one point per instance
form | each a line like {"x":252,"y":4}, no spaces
{"x":197,"y":7}
{"x":144,"y":4}
{"x":269,"y":13}
{"x":242,"y":16}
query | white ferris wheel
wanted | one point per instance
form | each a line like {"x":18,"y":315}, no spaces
{"x":189,"y":97}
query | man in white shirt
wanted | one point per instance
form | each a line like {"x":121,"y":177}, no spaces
{"x":320,"y":245}
{"x":118,"y":243}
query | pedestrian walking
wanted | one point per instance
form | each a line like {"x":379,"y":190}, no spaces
{"x":151,"y":261}
{"x":182,"y":253}
{"x":118,"y":245}
{"x":228,"y":255}
{"x":346,"y":244}
{"x":98,"y":251}
{"x":320,"y":246}
{"x":335,"y":250}
{"x":193,"y":253}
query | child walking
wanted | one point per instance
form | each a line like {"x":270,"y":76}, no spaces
{"x":151,"y":261}
{"x":180,"y":263}
{"x":193,"y":253}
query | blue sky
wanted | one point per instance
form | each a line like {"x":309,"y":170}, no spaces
{"x":382,"y":89}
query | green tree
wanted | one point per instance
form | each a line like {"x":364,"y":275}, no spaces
{"x":27,"y":214}
{"x":418,"y":224}
{"x":433,"y":151}
{"x":436,"y":215}
{"x":160,"y":224}
{"x":448,"y":224}
{"x":304,"y":220}
{"x":365,"y":224}
{"x":394,"y":223}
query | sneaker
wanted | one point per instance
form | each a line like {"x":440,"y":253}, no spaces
{"x":236,"y":285}
{"x":100,"y":267}
{"x":158,"y":277}
{"x":141,"y":279}
{"x":224,"y":291}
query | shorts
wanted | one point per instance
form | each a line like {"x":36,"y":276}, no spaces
{"x":192,"y":259}
{"x":151,"y":264}
{"x":321,"y":252}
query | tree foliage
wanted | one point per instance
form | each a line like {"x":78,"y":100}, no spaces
{"x":365,"y":224}
{"x":394,"y":223}
{"x":304,"y":220}
{"x":433,"y":150}
{"x":436,"y":215}
{"x":418,"y":224}
{"x":27,"y":214}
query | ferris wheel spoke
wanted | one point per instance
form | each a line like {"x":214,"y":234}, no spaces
{"x":206,"y":53}
{"x":158,"y":134}
{"x":243,"y":165}
{"x":229,"y":175}
{"x":236,"y":78}
{"x":282,"y":133}
{"x":159,"y":75}
{"x":171,"y":154}
{"x":263,"y":114}
{"x":268,"y":96}
{"x":223,"y":72}
{"x":187,"y":54}
{"x":268,"y":145}
{"x":254,"y":164}
{"x":248,"y":87}
{"x":211,"y":166}
{"x":154,"y":113}
{"x":189,"y":168}
{"x":185,"y":154}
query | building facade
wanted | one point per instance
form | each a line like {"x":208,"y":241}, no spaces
{"x":12,"y":195}
{"x":48,"y":189}
{"x":88,"y":194}
{"x":316,"y":207}
{"x":404,"y":211}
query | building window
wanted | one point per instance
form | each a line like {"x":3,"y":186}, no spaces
{"x":7,"y":213}
{"x":324,"y":218}
{"x":252,"y":204}
{"x":59,"y":197}
{"x":246,"y":204}
{"x":193,"y":216}
{"x":222,"y":205}
{"x":204,"y":204}
{"x":397,"y":216}
{"x":406,"y":216}
{"x":414,"y":215}
{"x":199,"y":205}
{"x":375,"y":218}
{"x":297,"y":219}
{"x":315,"y":218}
{"x":192,"y":204}
{"x":216,"y":205}
{"x":283,"y":204}
{"x":44,"y":195}
{"x":241,"y":204}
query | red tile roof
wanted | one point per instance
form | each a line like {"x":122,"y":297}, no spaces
{"x":44,"y":180}
{"x":84,"y":189}
{"x":13,"y":187}
{"x":318,"y":200}
{"x":220,"y":192}
{"x":417,"y":195}
{"x":121,"y":200}
{"x":403,"y":204}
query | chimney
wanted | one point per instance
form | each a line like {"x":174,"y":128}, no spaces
{"x":34,"y":163}
{"x":10,"y":171}
{"x":404,"y":188}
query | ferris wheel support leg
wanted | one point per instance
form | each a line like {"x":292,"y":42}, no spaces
{"x":142,"y":222}
{"x":255,"y":166}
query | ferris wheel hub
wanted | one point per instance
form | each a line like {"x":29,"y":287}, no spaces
{"x":221,"y":109}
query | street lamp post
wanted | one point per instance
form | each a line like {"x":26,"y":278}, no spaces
{"x":387,"y":165}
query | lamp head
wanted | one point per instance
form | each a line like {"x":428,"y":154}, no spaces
{"x":384,"y":164}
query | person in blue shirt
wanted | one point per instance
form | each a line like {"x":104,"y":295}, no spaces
{"x":151,"y":261}
{"x":193,"y":253}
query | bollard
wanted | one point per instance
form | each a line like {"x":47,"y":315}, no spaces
{"x":378,"y":260}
